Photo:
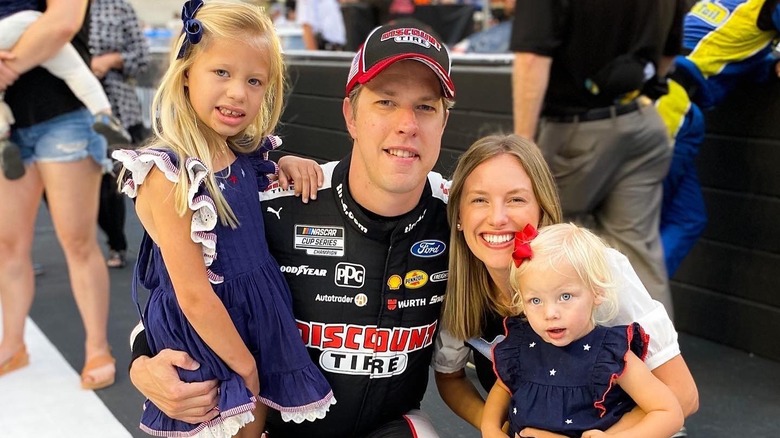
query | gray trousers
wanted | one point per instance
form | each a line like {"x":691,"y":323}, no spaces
{"x":609,"y":174}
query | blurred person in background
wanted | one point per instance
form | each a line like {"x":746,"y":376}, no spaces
{"x":119,"y":54}
{"x":65,"y":157}
{"x":323,"y":24}
{"x":728,"y":43}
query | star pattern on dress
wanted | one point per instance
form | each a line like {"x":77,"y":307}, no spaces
{"x":552,"y":372}
{"x":532,"y":345}
{"x":514,"y":411}
{"x":243,"y":175}
{"x":586,"y":347}
{"x":569,"y":421}
{"x":222,"y":186}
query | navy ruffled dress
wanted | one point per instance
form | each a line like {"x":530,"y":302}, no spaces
{"x":249,"y":283}
{"x":566,"y":390}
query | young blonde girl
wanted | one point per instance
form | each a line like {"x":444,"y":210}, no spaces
{"x":558,"y":370}
{"x":216,"y":292}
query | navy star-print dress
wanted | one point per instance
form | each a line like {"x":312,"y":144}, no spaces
{"x":252,"y":288}
{"x":566,"y":390}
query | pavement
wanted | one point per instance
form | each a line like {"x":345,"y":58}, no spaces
{"x":739,"y":392}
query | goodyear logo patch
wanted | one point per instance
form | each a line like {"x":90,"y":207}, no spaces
{"x":320,"y":240}
{"x":415,"y":279}
{"x":428,"y":248}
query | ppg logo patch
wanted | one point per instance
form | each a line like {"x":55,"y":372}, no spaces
{"x":350,"y":275}
{"x":428,"y":248}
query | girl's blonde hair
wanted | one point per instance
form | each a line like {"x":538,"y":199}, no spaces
{"x":176,"y":125}
{"x":569,"y":244}
{"x":471,"y":293}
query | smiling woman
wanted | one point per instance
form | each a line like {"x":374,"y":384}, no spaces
{"x":486,"y":212}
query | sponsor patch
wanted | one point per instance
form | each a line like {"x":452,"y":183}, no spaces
{"x":415,"y":279}
{"x":304,"y":270}
{"x":436,"y":299}
{"x":394,"y":303}
{"x":428,"y":248}
{"x":320,"y":240}
{"x":365,"y":350}
{"x":334,"y":298}
{"x":361,"y":299}
{"x":439,"y":276}
{"x":394,"y":282}
{"x":710,"y":12}
{"x":350,"y":275}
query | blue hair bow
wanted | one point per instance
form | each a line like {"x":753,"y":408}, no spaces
{"x":193,"y":29}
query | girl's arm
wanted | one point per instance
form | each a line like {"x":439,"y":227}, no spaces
{"x":305,"y":173}
{"x":184,"y":261}
{"x":663,"y":417}
{"x":495,"y":411}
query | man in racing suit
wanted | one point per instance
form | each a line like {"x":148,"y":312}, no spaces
{"x":728,"y":43}
{"x":367,"y":262}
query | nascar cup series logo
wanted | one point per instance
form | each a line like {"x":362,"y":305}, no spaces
{"x":365,"y":350}
{"x":411,"y":35}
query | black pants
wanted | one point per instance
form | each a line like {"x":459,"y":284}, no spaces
{"x":111,"y":213}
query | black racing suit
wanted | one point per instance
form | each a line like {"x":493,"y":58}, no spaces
{"x":367,"y":296}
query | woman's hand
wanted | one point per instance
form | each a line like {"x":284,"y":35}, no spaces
{"x":7,"y":75}
{"x":304,"y":174}
{"x":157,"y":379}
{"x":594,"y":433}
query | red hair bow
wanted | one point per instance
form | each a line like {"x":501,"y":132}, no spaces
{"x":523,"y":244}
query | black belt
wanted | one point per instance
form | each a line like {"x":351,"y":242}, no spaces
{"x":595,"y":113}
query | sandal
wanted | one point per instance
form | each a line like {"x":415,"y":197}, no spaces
{"x":20,"y":359}
{"x":102,"y":361}
{"x":116,"y":259}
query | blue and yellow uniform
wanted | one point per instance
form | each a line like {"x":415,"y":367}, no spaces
{"x":728,"y":41}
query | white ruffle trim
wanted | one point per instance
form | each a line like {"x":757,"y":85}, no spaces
{"x":227,"y":427}
{"x":312,"y":412}
{"x":204,"y":212}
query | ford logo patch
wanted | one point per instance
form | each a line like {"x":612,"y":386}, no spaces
{"x":428,"y":248}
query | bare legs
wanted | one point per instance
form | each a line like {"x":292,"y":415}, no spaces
{"x":72,"y":191}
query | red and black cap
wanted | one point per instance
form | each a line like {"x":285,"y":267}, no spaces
{"x":391,"y":43}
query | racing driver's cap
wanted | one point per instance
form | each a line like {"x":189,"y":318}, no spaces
{"x":391,"y":43}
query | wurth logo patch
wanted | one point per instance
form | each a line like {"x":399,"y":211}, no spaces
{"x":365,"y":350}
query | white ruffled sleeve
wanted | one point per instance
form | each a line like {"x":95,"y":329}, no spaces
{"x":636,"y":305}
{"x":204,"y":213}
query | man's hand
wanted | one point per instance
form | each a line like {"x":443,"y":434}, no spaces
{"x":305,"y":174}
{"x":7,"y":75}
{"x":157,"y":379}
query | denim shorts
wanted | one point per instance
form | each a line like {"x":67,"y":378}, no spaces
{"x":65,"y":138}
